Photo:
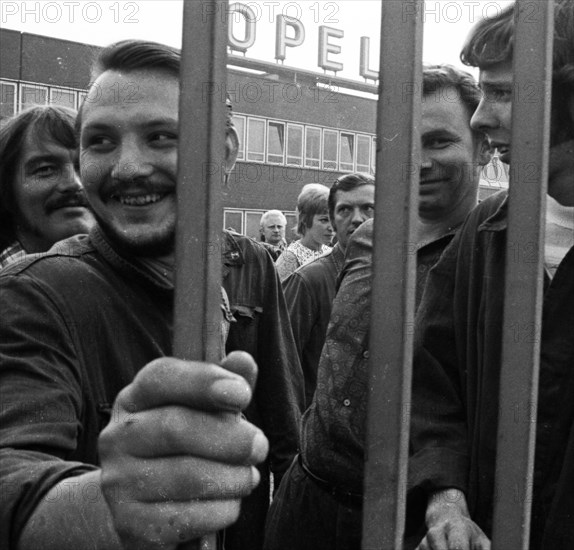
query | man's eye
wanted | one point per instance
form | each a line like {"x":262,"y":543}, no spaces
{"x":99,"y":142}
{"x":438,"y":143}
{"x":163,"y":138}
{"x":46,"y":171}
{"x":498,"y":94}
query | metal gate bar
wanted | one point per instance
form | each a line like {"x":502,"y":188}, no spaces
{"x":523,"y":287}
{"x":202,"y":118}
{"x":393,"y":287}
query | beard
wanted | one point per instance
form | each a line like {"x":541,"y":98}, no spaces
{"x":151,"y":245}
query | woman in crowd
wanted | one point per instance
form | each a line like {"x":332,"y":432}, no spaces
{"x":314,"y":228}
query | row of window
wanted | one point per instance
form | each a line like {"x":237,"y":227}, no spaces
{"x":292,"y":144}
{"x":14,"y":97}
{"x":261,"y":140}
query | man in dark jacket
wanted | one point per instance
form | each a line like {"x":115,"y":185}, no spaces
{"x":459,"y":326}
{"x":319,"y":502}
{"x":106,"y":441}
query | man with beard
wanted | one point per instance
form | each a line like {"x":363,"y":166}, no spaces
{"x":85,"y":344}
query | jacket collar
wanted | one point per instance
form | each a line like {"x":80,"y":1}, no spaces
{"x":231,"y":253}
{"x":499,"y":220}
{"x":130,"y":266}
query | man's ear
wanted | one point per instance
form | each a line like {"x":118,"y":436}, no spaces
{"x":485,"y":151}
{"x":231,"y":149}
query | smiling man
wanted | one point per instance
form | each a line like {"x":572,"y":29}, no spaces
{"x":106,"y":441}
{"x":310,"y":290}
{"x":41,"y":198}
{"x":457,"y":360}
{"x":319,"y":502}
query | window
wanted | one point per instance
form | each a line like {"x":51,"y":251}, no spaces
{"x":312,"y":147}
{"x":65,"y":98}
{"x":347,"y":152}
{"x":7,"y":99}
{"x":252,"y":222}
{"x":81,"y":97}
{"x":233,"y":219}
{"x":256,"y":139}
{"x":276,"y":143}
{"x":330,"y":139}
{"x":294,"y":144}
{"x":291,"y":229}
{"x":33,"y":95}
{"x":363,"y":153}
{"x":239,"y":122}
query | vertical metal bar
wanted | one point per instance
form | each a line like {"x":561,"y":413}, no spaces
{"x":392,"y":309}
{"x":202,"y":119}
{"x":523,"y":288}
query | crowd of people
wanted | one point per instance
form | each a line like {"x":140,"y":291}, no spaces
{"x":107,"y":441}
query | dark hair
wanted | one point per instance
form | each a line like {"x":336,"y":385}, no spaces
{"x":48,"y":122}
{"x":348,"y":182}
{"x":140,"y":55}
{"x":436,"y":77}
{"x":491,"y":42}
{"x":312,"y":200}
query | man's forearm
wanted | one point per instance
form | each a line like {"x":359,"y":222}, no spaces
{"x":73,"y":515}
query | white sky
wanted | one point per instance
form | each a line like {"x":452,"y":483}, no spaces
{"x":101,"y":22}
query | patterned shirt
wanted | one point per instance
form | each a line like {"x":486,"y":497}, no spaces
{"x":296,"y":255}
{"x":12,"y":254}
{"x":333,"y":431}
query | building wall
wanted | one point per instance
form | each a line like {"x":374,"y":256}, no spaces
{"x":275,"y":115}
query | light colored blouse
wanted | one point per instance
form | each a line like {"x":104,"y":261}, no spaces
{"x":296,"y":255}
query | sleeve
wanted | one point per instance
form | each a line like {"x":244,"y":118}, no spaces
{"x":286,"y":264}
{"x":40,"y":397}
{"x":438,"y":438}
{"x":280,"y":387}
{"x":301,"y":307}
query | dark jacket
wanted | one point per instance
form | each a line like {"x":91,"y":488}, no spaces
{"x":309,"y":293}
{"x":77,"y":325}
{"x":456,"y":379}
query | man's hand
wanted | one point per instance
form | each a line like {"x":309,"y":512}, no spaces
{"x":449,"y":524}
{"x":177,"y":457}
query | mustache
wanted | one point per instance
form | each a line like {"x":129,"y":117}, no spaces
{"x":63,"y":200}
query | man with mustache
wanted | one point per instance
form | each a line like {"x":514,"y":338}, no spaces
{"x":41,"y":198}
{"x":106,"y":441}
{"x":310,"y":290}
{"x":319,"y":502}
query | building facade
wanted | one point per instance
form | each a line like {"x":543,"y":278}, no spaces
{"x":295,"y":126}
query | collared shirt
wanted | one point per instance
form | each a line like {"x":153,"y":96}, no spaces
{"x":456,"y":374}
{"x":333,"y":431}
{"x":11,"y":254}
{"x":309,"y":293}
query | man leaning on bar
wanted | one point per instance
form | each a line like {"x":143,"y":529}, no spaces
{"x":457,"y":362}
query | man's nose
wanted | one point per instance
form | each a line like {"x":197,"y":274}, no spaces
{"x":484,"y":117}
{"x":69,"y":180}
{"x":131,"y":163}
{"x":358,"y":216}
